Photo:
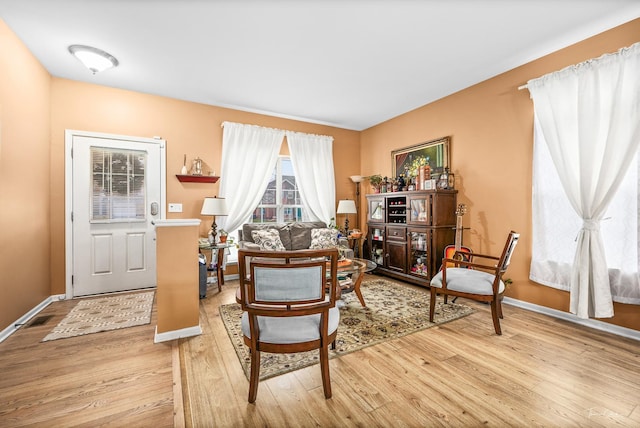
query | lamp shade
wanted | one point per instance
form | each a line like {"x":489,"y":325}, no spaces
{"x":346,"y":206}
{"x":214,"y":206}
{"x":356,"y":178}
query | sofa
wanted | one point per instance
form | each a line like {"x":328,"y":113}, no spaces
{"x":292,"y":236}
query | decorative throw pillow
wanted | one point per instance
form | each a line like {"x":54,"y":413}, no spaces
{"x":323,"y":238}
{"x":268,"y":239}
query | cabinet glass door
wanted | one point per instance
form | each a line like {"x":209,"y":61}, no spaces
{"x":418,"y":256}
{"x":419,"y":208}
{"x":376,"y":210}
{"x":376,"y":237}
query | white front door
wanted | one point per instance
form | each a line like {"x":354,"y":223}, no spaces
{"x":116,"y":192}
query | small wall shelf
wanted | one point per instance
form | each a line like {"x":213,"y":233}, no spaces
{"x":197,"y":178}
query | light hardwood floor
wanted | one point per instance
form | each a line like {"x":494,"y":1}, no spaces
{"x":540,"y":372}
{"x":115,"y":378}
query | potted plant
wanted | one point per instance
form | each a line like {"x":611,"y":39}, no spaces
{"x":223,"y":236}
{"x":375,"y":181}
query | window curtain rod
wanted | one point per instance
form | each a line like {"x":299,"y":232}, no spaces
{"x":589,"y":61}
{"x":275,"y":129}
{"x":246,"y":124}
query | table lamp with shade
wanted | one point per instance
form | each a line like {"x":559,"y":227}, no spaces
{"x":346,"y":206}
{"x":214,"y":207}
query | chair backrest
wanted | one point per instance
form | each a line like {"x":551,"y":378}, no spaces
{"x":287,"y":283}
{"x":505,"y":259}
{"x":290,"y":279}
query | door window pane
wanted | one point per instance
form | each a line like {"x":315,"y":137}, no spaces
{"x":119,"y":191}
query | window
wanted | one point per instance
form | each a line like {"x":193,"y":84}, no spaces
{"x":118,"y":192}
{"x":556,"y":225}
{"x":281,"y":201}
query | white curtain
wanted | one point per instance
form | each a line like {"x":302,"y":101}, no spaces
{"x":556,"y":224}
{"x":312,"y":160}
{"x":590,"y":117}
{"x":249,"y":154}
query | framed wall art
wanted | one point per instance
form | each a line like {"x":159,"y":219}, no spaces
{"x":435,"y":153}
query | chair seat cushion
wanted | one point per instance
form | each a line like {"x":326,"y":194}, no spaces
{"x":467,"y":281}
{"x":291,"y":329}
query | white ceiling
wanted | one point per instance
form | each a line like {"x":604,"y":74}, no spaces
{"x":345,"y":63}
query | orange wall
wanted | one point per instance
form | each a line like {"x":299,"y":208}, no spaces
{"x":187,"y":127}
{"x":490,"y":125}
{"x":24,"y":180}
{"x":491,"y":128}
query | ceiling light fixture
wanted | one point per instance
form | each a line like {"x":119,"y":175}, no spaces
{"x":93,"y":58}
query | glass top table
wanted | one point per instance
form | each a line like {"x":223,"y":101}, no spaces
{"x":356,"y":268}
{"x":216,"y":267}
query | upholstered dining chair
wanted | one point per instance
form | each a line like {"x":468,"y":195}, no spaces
{"x":288,"y":301}
{"x":475,"y":276}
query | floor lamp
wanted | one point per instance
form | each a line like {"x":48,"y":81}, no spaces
{"x":357,"y":179}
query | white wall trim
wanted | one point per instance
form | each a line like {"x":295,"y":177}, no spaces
{"x":591,"y":323}
{"x":177,"y":334}
{"x":176,"y":222}
{"x":4,"y":334}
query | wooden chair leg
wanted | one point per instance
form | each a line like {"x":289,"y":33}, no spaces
{"x":255,"y":376}
{"x":500,"y":307}
{"x":432,"y":303}
{"x":324,"y":368}
{"x":494,"y":314}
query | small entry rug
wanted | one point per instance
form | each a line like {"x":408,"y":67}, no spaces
{"x":392,"y":311}
{"x":93,"y":315}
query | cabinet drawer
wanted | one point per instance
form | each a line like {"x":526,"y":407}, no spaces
{"x":397,"y":233}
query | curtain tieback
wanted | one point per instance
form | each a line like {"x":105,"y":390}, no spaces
{"x":591,"y":225}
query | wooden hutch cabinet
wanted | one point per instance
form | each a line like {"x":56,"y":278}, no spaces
{"x":408,"y":231}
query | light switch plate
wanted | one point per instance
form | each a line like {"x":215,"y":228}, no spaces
{"x":175,"y":208}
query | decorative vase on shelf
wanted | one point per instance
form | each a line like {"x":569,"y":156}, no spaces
{"x":183,"y":171}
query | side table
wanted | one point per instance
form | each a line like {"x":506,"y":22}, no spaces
{"x":218,"y":248}
{"x":354,"y":243}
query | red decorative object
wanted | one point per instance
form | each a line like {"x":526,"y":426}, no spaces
{"x":197,"y":178}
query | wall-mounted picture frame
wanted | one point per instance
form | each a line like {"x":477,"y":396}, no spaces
{"x":435,"y":152}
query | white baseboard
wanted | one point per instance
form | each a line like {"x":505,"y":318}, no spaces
{"x":4,"y":334}
{"x":177,"y":334}
{"x":591,"y":323}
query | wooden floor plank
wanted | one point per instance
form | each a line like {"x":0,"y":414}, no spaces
{"x":117,"y":377}
{"x":540,"y":372}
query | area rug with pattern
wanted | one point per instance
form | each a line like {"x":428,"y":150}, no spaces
{"x":93,"y":315}
{"x":392,"y":311}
